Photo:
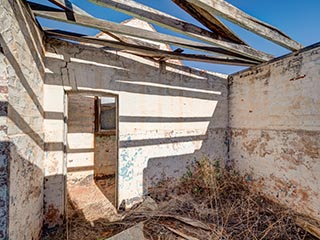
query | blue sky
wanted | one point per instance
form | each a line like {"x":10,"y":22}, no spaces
{"x":298,"y":19}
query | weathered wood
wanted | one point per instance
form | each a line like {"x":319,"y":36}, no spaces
{"x":40,"y":7}
{"x":235,"y":15}
{"x":71,"y":7}
{"x":157,"y":17}
{"x":208,"y":20}
{"x":154,"y":36}
{"x":135,"y":41}
{"x":145,"y":51}
{"x":307,"y":226}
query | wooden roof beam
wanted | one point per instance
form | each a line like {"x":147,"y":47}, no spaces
{"x":145,"y":51}
{"x":162,"y":19}
{"x":105,"y":25}
{"x":235,"y":15}
{"x":208,"y":20}
{"x":69,"y":6}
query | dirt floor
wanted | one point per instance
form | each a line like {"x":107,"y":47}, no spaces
{"x":207,"y":203}
{"x":107,"y":185}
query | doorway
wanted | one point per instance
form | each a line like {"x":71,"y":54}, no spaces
{"x":105,"y":155}
{"x":92,"y":155}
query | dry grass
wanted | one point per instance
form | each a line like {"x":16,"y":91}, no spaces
{"x":81,"y":229}
{"x":223,"y":200}
{"x":213,"y":203}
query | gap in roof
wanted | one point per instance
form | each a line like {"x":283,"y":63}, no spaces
{"x":281,"y":14}
{"x":166,"y":6}
{"x":49,"y":23}
{"x":296,"y":18}
{"x":255,"y":41}
{"x":220,"y":68}
{"x":113,"y":16}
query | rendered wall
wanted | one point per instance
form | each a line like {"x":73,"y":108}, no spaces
{"x":105,"y":159}
{"x":169,"y":115}
{"x":275,"y":128}
{"x":80,"y":148}
{"x":22,"y":145}
{"x":55,"y":155}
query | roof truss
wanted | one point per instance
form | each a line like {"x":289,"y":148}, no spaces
{"x":235,"y":15}
{"x":219,"y":43}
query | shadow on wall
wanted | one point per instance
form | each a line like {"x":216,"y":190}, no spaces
{"x":169,"y":116}
{"x":22,"y":156}
{"x":29,"y":32}
{"x":25,"y":198}
{"x":4,"y":188}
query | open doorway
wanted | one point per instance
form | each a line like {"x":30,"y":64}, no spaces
{"x":92,"y":155}
{"x":105,"y":154}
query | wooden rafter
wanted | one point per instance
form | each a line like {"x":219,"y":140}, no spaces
{"x":154,"y":36}
{"x":157,"y":17}
{"x":69,"y":6}
{"x":145,"y":51}
{"x":74,"y":8}
{"x":235,"y":15}
{"x":208,"y":20}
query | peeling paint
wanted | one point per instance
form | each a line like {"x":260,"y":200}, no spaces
{"x":278,"y":143}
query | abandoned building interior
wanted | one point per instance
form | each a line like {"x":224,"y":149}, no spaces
{"x":97,"y":121}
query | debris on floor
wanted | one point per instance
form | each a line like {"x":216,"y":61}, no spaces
{"x":133,"y":233}
{"x":207,"y":203}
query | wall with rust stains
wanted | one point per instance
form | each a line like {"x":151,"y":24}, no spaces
{"x":275,"y":128}
{"x":169,"y":115}
{"x":22,"y":145}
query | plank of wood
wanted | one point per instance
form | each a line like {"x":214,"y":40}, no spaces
{"x":124,"y":39}
{"x":144,"y":51}
{"x":162,"y":19}
{"x":208,"y":20}
{"x":71,"y":7}
{"x":105,"y":25}
{"x":68,"y":6}
{"x":307,"y":226}
{"x":181,"y":234}
{"x":235,"y":15}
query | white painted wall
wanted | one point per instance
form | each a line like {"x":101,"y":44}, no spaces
{"x":169,"y":115}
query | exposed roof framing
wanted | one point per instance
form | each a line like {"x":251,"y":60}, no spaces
{"x":208,"y":20}
{"x":222,"y":45}
{"x":70,"y":7}
{"x":235,"y":15}
{"x":104,"y":25}
{"x":149,"y":14}
{"x":147,"y":51}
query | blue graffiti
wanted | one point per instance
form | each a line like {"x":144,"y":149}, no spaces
{"x":127,"y":162}
{"x":126,"y":172}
